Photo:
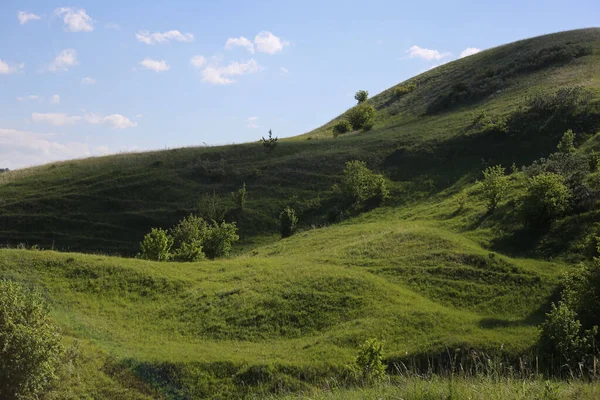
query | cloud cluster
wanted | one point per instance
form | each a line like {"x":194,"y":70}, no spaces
{"x":64,"y":60}
{"x":59,"y":119}
{"x":88,"y":81}
{"x":426,"y":54}
{"x":264,"y":42}
{"x":21,"y":148}
{"x":6,"y":68}
{"x":75,"y":19}
{"x":469,"y":51}
{"x":222,"y":75}
{"x":252,"y":122}
{"x":165,"y":37}
{"x":25,"y":17}
{"x":153,"y":65}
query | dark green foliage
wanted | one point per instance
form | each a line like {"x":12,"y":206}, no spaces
{"x":30,"y":346}
{"x":404,"y":89}
{"x":211,"y":208}
{"x":561,"y":339}
{"x":361,"y":186}
{"x":594,"y":161}
{"x":361,"y":116}
{"x":484,"y":123}
{"x":156,"y":245}
{"x":493,"y":186}
{"x":492,"y":79}
{"x":369,"y":362}
{"x":581,"y":293}
{"x":188,"y":236}
{"x":2,"y":170}
{"x":361,"y":96}
{"x":219,"y":239}
{"x":341,"y":127}
{"x":270,"y":143}
{"x":567,"y":143}
{"x":288,"y":222}
{"x":240,"y":197}
{"x":547,"y":197}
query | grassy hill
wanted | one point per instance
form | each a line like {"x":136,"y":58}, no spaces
{"x":421,"y":273}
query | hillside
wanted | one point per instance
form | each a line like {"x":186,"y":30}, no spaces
{"x":425,"y":273}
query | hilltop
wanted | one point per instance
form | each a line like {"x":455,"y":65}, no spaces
{"x":426,"y":272}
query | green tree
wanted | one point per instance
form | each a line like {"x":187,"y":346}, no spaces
{"x":188,"y":236}
{"x":546,"y":198}
{"x":594,"y":161}
{"x":561,"y":338}
{"x":219,"y":239}
{"x":270,"y":143}
{"x":341,"y":127}
{"x":493,"y":186}
{"x":30,"y":345}
{"x":369,"y":361}
{"x":567,"y":143}
{"x":361,"y":96}
{"x":288,"y":222}
{"x":156,"y":245}
{"x":361,"y":185}
{"x":361,"y":116}
{"x":240,"y":197}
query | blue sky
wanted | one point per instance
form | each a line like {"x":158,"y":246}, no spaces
{"x":85,"y":78}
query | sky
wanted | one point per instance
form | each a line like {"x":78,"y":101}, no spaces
{"x":82,"y":78}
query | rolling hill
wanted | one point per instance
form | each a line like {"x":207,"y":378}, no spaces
{"x":422,"y":273}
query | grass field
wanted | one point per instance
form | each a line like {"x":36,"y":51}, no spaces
{"x":285,"y":317}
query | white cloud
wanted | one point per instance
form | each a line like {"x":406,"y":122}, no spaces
{"x":198,"y":61}
{"x":65,"y":59}
{"x":76,"y":20}
{"x":21,"y":148}
{"x":284,"y":70}
{"x":88,"y":81}
{"x":426,"y":54}
{"x":165,"y":37}
{"x":101,"y":150}
{"x":115,"y":120}
{"x":55,"y":119}
{"x":252,"y":122}
{"x":156,"y":66}
{"x":30,"y":97}
{"x":241,"y":41}
{"x":112,"y":25}
{"x":266,"y":42}
{"x":6,"y":68}
{"x":469,"y":51}
{"x":56,"y":99}
{"x":25,"y":17}
{"x":221,"y":75}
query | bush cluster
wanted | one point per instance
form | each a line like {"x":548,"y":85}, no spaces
{"x":190,"y":240}
{"x":360,"y":187}
{"x":404,"y":89}
{"x":362,"y":117}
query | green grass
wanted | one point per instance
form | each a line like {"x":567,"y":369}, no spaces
{"x":287,"y":316}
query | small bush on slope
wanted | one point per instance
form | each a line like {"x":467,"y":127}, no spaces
{"x":288,"y":222}
{"x":493,"y":186}
{"x":156,"y":245}
{"x":361,"y":186}
{"x":219,"y":239}
{"x":361,"y":116}
{"x":547,"y":198}
{"x":30,"y":347}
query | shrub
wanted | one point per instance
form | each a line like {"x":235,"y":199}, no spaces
{"x":210,"y":207}
{"x":567,"y":143}
{"x":360,"y":185}
{"x":219,"y":238}
{"x":547,"y":197}
{"x":270,"y":143}
{"x":493,"y":186}
{"x":361,"y":96}
{"x":156,"y":245}
{"x":561,"y":338}
{"x":594,"y":161}
{"x":369,"y":361}
{"x":240,"y":197}
{"x":342,"y":127}
{"x":461,"y":199}
{"x":404,"y":89}
{"x":188,"y":236}
{"x":360,"y":116}
{"x":288,"y":222}
{"x":30,"y":346}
